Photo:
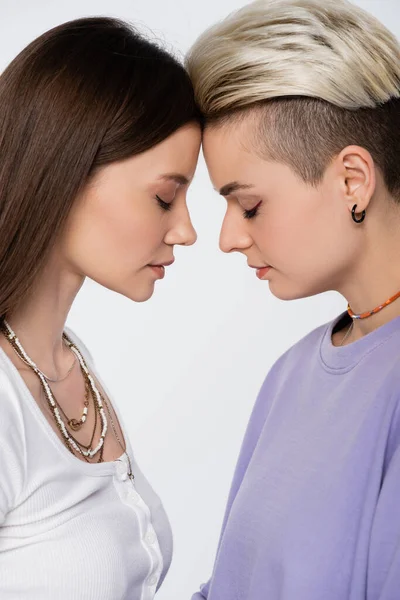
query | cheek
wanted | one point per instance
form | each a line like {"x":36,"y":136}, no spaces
{"x":301,"y":234}
{"x":309,"y":248}
{"x":107,"y":237}
{"x":279,"y":235}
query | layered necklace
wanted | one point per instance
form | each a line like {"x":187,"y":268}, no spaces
{"x":62,"y":421}
{"x":365,"y":315}
{"x":87,"y":452}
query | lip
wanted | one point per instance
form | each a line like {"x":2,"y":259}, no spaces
{"x":163,"y":264}
{"x":262,"y":271}
{"x":159,"y":269}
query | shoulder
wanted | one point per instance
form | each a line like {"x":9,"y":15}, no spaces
{"x":288,"y":367}
{"x":282,"y":372}
{"x":310,"y":343}
{"x":300,"y":352}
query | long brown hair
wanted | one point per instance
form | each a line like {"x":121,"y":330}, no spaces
{"x":82,"y":95}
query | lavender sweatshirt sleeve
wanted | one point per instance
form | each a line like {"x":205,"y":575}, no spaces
{"x":254,"y":428}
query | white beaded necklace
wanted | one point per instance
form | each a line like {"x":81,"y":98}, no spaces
{"x":90,"y":452}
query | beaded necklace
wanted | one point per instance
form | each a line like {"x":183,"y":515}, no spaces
{"x":369,"y":313}
{"x":365,"y":315}
{"x":91,"y":391}
{"x":70,"y":441}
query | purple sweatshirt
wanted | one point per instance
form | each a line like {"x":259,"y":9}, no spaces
{"x":314,"y":508}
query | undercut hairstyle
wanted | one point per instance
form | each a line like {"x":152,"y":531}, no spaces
{"x":316,"y":75}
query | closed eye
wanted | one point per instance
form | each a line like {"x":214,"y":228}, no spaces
{"x":164,"y":205}
{"x":250,"y":214}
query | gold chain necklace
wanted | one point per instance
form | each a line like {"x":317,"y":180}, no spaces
{"x":44,"y":375}
{"x":98,"y":400}
{"x":68,"y":438}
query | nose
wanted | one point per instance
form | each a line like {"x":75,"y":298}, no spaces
{"x":182,"y":232}
{"x":234,"y":236}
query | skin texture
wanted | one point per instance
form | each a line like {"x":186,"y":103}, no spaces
{"x":119,"y":227}
{"x":306,"y":233}
{"x":116,"y":229}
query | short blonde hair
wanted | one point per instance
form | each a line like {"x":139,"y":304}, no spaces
{"x":326,"y":49}
{"x":317,"y":75}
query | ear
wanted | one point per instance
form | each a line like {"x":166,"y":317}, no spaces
{"x":358,"y":171}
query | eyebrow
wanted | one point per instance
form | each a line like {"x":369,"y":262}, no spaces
{"x":176,"y":177}
{"x":234,"y":186}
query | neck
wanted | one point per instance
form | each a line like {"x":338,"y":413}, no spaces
{"x":40,"y":320}
{"x":374,"y":279}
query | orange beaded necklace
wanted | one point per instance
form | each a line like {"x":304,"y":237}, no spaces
{"x":367,"y":314}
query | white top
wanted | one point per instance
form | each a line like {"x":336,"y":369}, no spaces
{"x":69,"y":529}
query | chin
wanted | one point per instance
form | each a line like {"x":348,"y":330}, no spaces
{"x":287,"y":291}
{"x":134,"y":293}
{"x":140,"y":295}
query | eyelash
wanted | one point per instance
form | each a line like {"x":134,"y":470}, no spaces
{"x":250,"y":214}
{"x":164,"y":205}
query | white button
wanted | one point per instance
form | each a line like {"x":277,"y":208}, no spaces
{"x":152,"y":580}
{"x":150,"y":537}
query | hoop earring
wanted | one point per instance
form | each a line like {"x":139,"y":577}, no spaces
{"x":353,"y":215}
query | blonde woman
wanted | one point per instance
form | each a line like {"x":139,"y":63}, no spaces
{"x":302,"y":138}
{"x":99,"y":139}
